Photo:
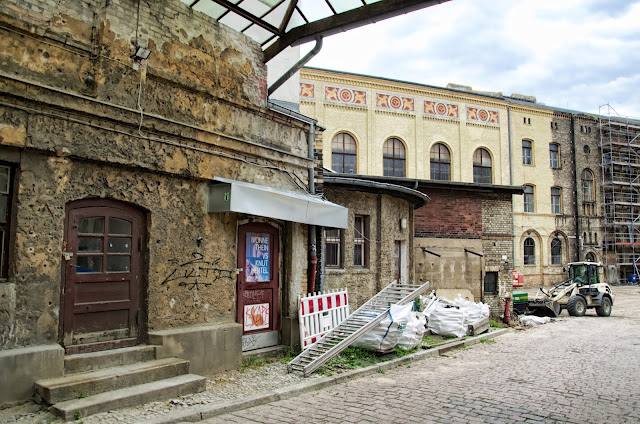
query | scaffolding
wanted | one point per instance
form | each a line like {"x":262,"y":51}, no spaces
{"x":620,"y":148}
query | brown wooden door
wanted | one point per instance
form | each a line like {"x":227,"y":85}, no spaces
{"x":102,"y":275}
{"x":258,"y":283}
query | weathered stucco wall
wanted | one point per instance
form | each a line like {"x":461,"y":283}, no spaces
{"x":383,"y":213}
{"x":81,"y":122}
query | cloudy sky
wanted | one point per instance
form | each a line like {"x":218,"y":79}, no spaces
{"x":576,"y":54}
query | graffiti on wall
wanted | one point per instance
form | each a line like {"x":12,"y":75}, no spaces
{"x":197,"y":272}
{"x":256,"y":317}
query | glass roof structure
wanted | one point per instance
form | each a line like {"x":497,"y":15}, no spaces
{"x":277,"y":24}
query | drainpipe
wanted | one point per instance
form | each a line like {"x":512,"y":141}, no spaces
{"x":513,"y":224}
{"x":295,"y":68}
{"x":575,"y":187}
{"x":313,"y":257}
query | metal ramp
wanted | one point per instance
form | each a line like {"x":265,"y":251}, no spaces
{"x":355,"y":325}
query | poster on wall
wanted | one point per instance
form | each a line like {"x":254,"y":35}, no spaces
{"x":257,"y":267}
{"x":256,"y":317}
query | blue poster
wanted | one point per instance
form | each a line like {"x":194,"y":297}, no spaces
{"x":258,"y":267}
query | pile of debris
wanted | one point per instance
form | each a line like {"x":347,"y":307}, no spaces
{"x":405,"y":325}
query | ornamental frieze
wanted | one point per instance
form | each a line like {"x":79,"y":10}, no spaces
{"x":345,"y":95}
{"x":393,"y":102}
{"x":441,"y":109}
{"x":307,"y":90}
{"x":485,"y":116}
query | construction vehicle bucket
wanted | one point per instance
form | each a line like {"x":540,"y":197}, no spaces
{"x":544,"y":308}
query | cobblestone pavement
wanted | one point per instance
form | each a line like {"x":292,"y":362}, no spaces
{"x":574,"y":370}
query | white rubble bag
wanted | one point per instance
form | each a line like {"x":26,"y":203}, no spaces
{"x":534,"y":321}
{"x":447,"y":320}
{"x":412,"y":335}
{"x":475,"y":311}
{"x":387,"y":333}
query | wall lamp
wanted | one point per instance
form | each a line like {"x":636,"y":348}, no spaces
{"x":142,"y":53}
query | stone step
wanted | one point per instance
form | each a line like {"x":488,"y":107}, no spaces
{"x":83,"y":362}
{"x":130,"y":396}
{"x":74,"y":386}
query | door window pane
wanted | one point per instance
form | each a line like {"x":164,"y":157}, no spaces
{"x":89,"y":264}
{"x":93,"y":225}
{"x":4,"y":179}
{"x":90,"y":244}
{"x":3,"y":208}
{"x":119,"y":245}
{"x":118,"y":263}
{"x":119,"y":226}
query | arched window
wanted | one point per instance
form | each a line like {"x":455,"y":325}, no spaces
{"x":482,"y":167}
{"x":393,"y":158}
{"x":440,"y":162}
{"x":343,"y":154}
{"x":588,"y":194}
{"x":528,"y":199}
{"x":556,"y":251}
{"x":590,"y":257}
{"x":529,"y":251}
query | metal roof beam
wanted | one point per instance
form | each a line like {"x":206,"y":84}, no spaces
{"x":345,"y":21}
{"x":249,"y":16}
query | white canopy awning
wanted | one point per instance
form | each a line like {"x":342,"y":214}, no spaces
{"x":236,"y":196}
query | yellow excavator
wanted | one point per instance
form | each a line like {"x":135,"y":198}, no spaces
{"x":581,"y":291}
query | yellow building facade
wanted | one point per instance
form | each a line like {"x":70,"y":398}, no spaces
{"x":515,"y":131}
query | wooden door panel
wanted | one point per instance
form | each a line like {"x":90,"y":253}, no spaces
{"x":102,"y":272}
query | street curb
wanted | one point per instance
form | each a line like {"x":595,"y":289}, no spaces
{"x":209,"y":411}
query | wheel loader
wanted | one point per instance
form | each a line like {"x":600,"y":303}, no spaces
{"x":581,"y":291}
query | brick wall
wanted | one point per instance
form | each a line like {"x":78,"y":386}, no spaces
{"x":449,"y":214}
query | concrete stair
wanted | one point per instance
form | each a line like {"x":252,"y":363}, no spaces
{"x":101,"y":381}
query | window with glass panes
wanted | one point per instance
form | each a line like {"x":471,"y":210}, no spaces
{"x":529,"y":252}
{"x":587,"y":186}
{"x":6,"y":177}
{"x":360,"y":248}
{"x":393,"y":158}
{"x":554,"y":156}
{"x":528,"y":198}
{"x":482,"y":167}
{"x":333,"y":248}
{"x":556,"y":200}
{"x":526,"y":152}
{"x":343,"y":154}
{"x":556,"y":252}
{"x":440,"y":162}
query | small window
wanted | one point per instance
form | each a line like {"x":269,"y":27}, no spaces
{"x":529,"y":252}
{"x":440,"y":162}
{"x":590,"y":257}
{"x":556,"y":252}
{"x":360,"y":245}
{"x":343,"y":154}
{"x":554,"y":156}
{"x":528,"y":198}
{"x":556,"y":200}
{"x":333,"y":248}
{"x":482,"y":167}
{"x":526,"y":152}
{"x":586,"y":149}
{"x":393,"y":158}
{"x":491,"y":282}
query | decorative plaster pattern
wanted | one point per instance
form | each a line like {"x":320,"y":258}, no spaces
{"x":441,"y":109}
{"x":307,"y":90}
{"x":395,"y":102}
{"x":485,"y":116}
{"x":345,"y":95}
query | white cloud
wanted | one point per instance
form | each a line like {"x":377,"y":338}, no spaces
{"x":568,"y":53}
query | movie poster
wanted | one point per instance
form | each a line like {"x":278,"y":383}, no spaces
{"x":258,"y":268}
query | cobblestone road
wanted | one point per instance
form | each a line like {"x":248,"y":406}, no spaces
{"x":576,"y":370}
